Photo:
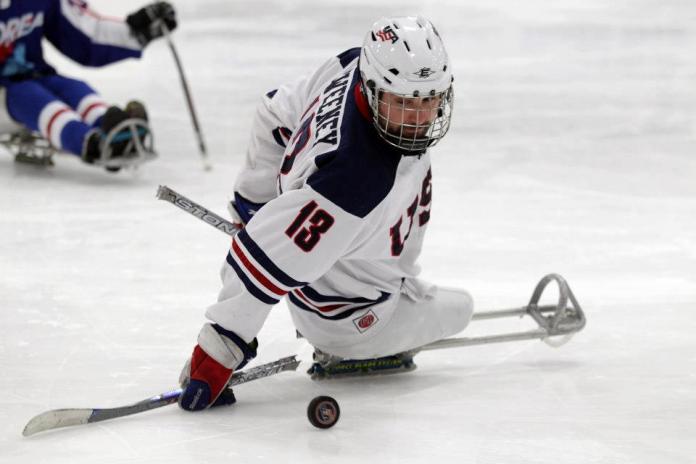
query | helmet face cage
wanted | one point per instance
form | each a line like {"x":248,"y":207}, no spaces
{"x":412,"y":123}
{"x":407,"y":80}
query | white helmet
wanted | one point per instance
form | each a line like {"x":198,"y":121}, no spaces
{"x":407,"y":79}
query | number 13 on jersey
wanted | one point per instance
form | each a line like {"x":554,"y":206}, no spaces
{"x":309,"y":225}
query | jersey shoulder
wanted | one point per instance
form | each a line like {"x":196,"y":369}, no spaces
{"x":346,"y":57}
{"x":359,"y":170}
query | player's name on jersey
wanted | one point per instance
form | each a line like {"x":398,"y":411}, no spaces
{"x":328,"y":113}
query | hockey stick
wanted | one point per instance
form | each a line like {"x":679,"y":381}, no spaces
{"x":194,"y":209}
{"x":58,"y":418}
{"x":189,"y":100}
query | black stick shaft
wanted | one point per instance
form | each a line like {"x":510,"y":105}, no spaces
{"x":187,"y":94}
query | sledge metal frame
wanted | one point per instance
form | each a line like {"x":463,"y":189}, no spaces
{"x":137,"y":151}
{"x":28,"y":147}
{"x":561,"y":319}
{"x":31,"y":148}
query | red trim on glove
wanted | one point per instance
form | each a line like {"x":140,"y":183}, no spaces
{"x":206,"y":369}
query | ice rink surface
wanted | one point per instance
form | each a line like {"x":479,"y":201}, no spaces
{"x":573,"y":150}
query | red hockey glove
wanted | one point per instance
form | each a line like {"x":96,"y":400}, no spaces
{"x":205,"y":375}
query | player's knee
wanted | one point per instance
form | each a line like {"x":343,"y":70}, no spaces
{"x":460,"y":309}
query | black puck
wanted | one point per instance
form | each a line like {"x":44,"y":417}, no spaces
{"x":323,"y":412}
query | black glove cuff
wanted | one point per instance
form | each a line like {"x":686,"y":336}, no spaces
{"x":249,"y":349}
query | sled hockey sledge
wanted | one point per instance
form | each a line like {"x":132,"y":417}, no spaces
{"x":561,"y":320}
{"x":556,"y":324}
{"x":28,"y":147}
{"x":139,"y":148}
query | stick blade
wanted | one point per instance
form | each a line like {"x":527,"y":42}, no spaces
{"x":55,"y":419}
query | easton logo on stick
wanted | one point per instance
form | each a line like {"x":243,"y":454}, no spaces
{"x":204,"y":215}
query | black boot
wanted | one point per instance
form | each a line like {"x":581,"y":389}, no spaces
{"x":94,"y":144}
{"x":136,"y":109}
{"x":91,"y":150}
{"x":119,"y":139}
{"x":110,"y":141}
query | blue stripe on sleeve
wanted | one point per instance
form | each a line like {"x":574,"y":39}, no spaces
{"x":253,"y":289}
{"x":319,"y":298}
{"x":337,"y":317}
{"x":278,"y":138}
{"x":266,"y":262}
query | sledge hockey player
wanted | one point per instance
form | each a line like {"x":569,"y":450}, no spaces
{"x":334,"y":200}
{"x":68,"y":112}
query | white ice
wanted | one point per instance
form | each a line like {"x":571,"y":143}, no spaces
{"x":572,"y":151}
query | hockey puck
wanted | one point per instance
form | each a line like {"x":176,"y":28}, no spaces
{"x":323,"y":412}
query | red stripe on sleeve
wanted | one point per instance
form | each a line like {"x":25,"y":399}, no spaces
{"x":323,"y":309}
{"x":255,"y":272}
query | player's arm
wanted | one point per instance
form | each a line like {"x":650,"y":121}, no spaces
{"x":274,"y":123}
{"x":95,"y":40}
{"x":277,"y":116}
{"x":293,"y":240}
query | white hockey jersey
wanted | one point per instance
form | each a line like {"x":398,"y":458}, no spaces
{"x":336,"y":216}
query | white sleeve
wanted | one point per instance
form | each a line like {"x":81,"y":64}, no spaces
{"x":293,"y":240}
{"x":276,"y":119}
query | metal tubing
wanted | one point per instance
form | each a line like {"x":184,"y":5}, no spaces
{"x":484,"y":340}
{"x":552,"y":320}
{"x":499,"y":313}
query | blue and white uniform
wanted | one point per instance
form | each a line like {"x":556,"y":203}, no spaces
{"x":336,"y":220}
{"x":63,"y":110}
